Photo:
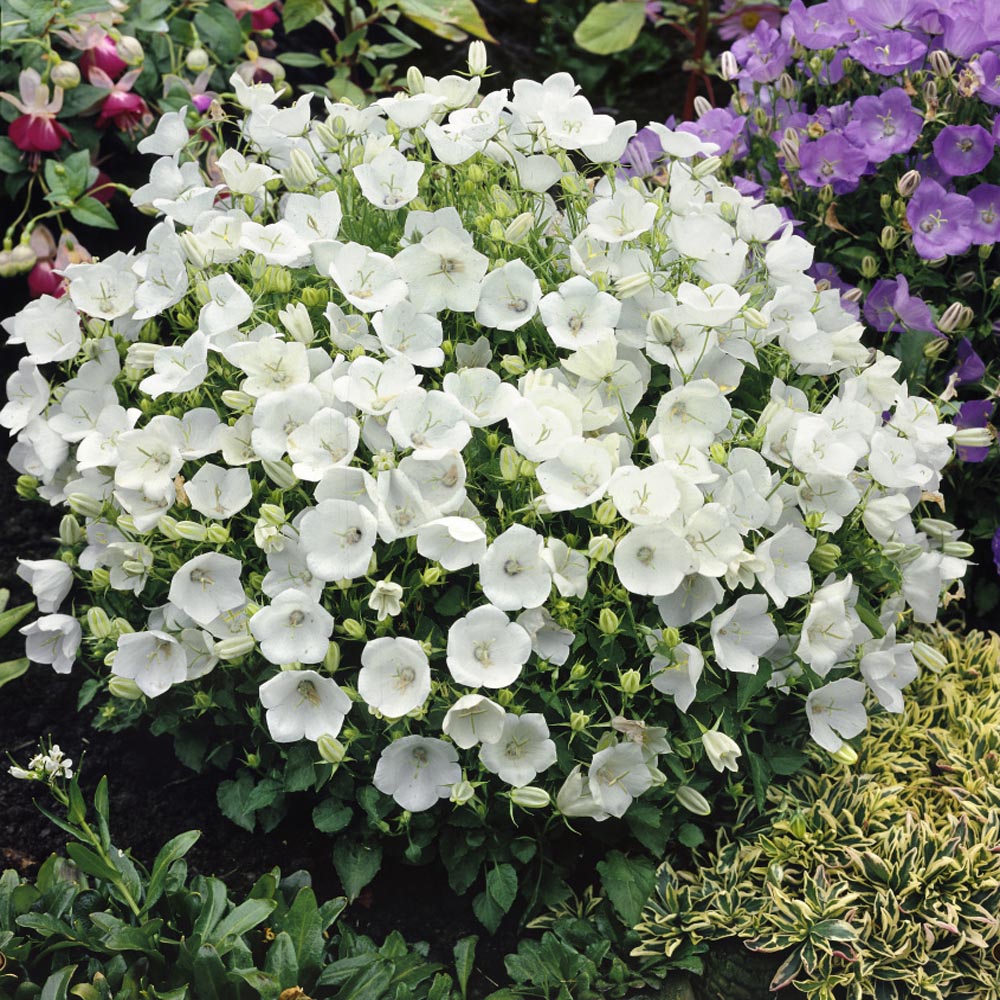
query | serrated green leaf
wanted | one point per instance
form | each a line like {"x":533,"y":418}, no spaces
{"x":501,"y":886}
{"x":611,"y":27}
{"x":356,"y":865}
{"x":90,"y":212}
{"x":487,"y":912}
{"x":627,"y":883}
{"x":234,"y":801}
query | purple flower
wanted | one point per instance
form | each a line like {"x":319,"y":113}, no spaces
{"x":970,"y":28}
{"x":878,"y":15}
{"x":764,"y":54}
{"x":986,"y":222}
{"x":970,"y":366}
{"x":996,"y":550}
{"x":987,"y":68}
{"x":831,"y":159}
{"x":722,"y":127}
{"x":890,"y":308}
{"x":884,"y":125}
{"x":820,"y":26}
{"x":641,"y":154}
{"x":941,"y":222}
{"x":888,"y":52}
{"x":963,"y":149}
{"x":828,"y":274}
{"x":738,"y":18}
{"x":975,"y":413}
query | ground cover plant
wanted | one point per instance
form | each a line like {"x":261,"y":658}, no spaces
{"x":878,"y":879}
{"x":875,"y":128}
{"x":419,"y":457}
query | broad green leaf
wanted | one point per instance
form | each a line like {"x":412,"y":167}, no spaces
{"x":92,"y":863}
{"x":10,"y":157}
{"x":298,"y":13}
{"x":834,"y":930}
{"x":487,"y":912}
{"x":628,"y":883}
{"x":90,"y":212}
{"x":304,"y":60}
{"x":611,"y":27}
{"x":219,"y":28}
{"x":171,"y":851}
{"x":331,"y":816}
{"x":13,"y":669}
{"x":234,"y":801}
{"x":501,"y":886}
{"x":243,"y":918}
{"x":690,"y":835}
{"x":281,"y":962}
{"x":305,"y":931}
{"x":356,"y":865}
{"x":442,"y":17}
{"x":58,"y":983}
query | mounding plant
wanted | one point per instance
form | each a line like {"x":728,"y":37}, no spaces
{"x":881,"y":879}
{"x":420,"y":459}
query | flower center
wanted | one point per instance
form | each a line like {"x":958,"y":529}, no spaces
{"x":512,"y":567}
{"x":645,"y":555}
{"x":308,"y":691}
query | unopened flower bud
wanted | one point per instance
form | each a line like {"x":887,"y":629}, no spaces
{"x":600,"y":547}
{"x":84,"y":505}
{"x":966,"y":279}
{"x":908,"y":183}
{"x":935,"y":347}
{"x":236,"y":399}
{"x":630,"y":680}
{"x":959,"y":550}
{"x":606,"y":513}
{"x":578,"y":671}
{"x":414,"y":80}
{"x":706,"y":167}
{"x":578,"y":721}
{"x":632,"y":284}
{"x":845,"y":754}
{"x":755,"y":318}
{"x":510,"y":463}
{"x":728,"y":66}
{"x":825,"y":558}
{"x":98,"y":623}
{"x":217,"y":534}
{"x":233,"y":649}
{"x":65,"y":75}
{"x":888,"y":238}
{"x":196,"y":60}
{"x":280,"y":473}
{"x":301,"y":170}
{"x":790,"y":153}
{"x":124,"y":687}
{"x":191,"y":531}
{"x":129,"y":50}
{"x":519,"y":227}
{"x":693,"y":801}
{"x":353,"y":628}
{"x":120,"y":627}
{"x":869,"y":266}
{"x":985,"y":250}
{"x":787,"y":87}
{"x":950,"y":318}
{"x":928,"y":656}
{"x":973,"y":437}
{"x":760,"y":118}
{"x":505,"y":696}
{"x":431,"y":576}
{"x":513,"y":365}
{"x":940,"y":62}
{"x":530,"y":797}
{"x":70,"y":532}
{"x":936,"y":528}
{"x":100,"y":578}
{"x":331,"y":749}
{"x":477,"y":58}
{"x":608,"y":621}
{"x":462,"y":792}
{"x":702,"y":106}
{"x":331,"y":659}
{"x":718,"y":452}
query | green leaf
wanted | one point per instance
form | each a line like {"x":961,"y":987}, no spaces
{"x":302,"y":60}
{"x":281,"y":961}
{"x":76,"y":172}
{"x":92,"y":863}
{"x":834,"y":930}
{"x":10,"y":157}
{"x":784,"y":760}
{"x":305,"y":930}
{"x":487,"y":912}
{"x":465,"y":956}
{"x":219,"y":28}
{"x":501,"y":886}
{"x":13,"y":669}
{"x":443,"y":17}
{"x":690,"y":835}
{"x":750,"y":685}
{"x":243,"y":918}
{"x":627,"y":883}
{"x":12,"y":616}
{"x":298,"y":13}
{"x":58,"y":983}
{"x":90,"y":212}
{"x":611,"y":27}
{"x":171,"y":851}
{"x":331,"y":816}
{"x":356,"y":865}
{"x":234,"y":800}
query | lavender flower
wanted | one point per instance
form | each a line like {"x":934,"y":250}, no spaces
{"x":961,"y":150}
{"x":763,"y":54}
{"x":820,"y":26}
{"x":941,"y":222}
{"x":831,"y":159}
{"x":987,"y":69}
{"x":885,"y":125}
{"x":996,"y":550}
{"x":976,"y":413}
{"x":970,"y":368}
{"x":890,"y":308}
{"x":722,"y":127}
{"x":986,"y":221}
{"x":967,"y":30}
{"x":888,"y":52}
{"x":738,"y":18}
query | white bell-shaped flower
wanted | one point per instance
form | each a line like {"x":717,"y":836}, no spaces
{"x":50,"y":580}
{"x":417,"y":771}
{"x":523,"y":751}
{"x":390,"y":180}
{"x":395,"y":675}
{"x":487,"y":649}
{"x":327,"y":440}
{"x":618,"y":774}
{"x":219,"y":493}
{"x":678,"y":674}
{"x":742,"y":634}
{"x":454,"y":542}
{"x":836,"y":712}
{"x":474,"y":719}
{"x":53,"y":639}
{"x":302,"y":704}
{"x":513,"y":572}
{"x":509,"y":298}
{"x":653,"y":559}
{"x":155,"y":661}
{"x":49,"y":328}
{"x":339,"y":538}
{"x":293,"y":628}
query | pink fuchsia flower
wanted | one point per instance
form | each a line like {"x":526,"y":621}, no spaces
{"x":52,"y":258}
{"x":102,"y":54}
{"x":201,"y":96}
{"x":121,"y":106}
{"x":261,"y":17}
{"x":36,"y":130}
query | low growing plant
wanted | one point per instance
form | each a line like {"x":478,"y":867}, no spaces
{"x":421,"y":464}
{"x":881,"y":880}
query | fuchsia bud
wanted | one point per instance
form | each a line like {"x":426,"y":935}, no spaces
{"x":103,"y":56}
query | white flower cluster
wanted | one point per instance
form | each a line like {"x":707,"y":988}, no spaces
{"x":422,"y":329}
{"x":49,"y":765}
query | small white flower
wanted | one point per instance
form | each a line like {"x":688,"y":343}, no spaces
{"x":48,"y":327}
{"x":293,"y":628}
{"x":618,"y":774}
{"x":743,"y":633}
{"x":219,"y":493}
{"x":53,"y":639}
{"x":653,"y":559}
{"x":155,"y":660}
{"x":207,"y":586}
{"x":574,"y":798}
{"x":523,"y":751}
{"x":579,"y":314}
{"x":302,"y":704}
{"x":390,"y":180}
{"x":487,"y":649}
{"x":513,"y":573}
{"x":50,"y":581}
{"x":721,"y":750}
{"x":836,"y":712}
{"x":678,"y":674}
{"x":395,"y":676}
{"x":474,"y":719}
{"x":509,"y":297}
{"x":417,"y":771}
{"x":384,"y":600}
{"x":454,"y":542}
{"x":341,"y":538}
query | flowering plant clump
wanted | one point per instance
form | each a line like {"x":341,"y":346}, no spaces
{"x":875,"y":128}
{"x":417,"y":442}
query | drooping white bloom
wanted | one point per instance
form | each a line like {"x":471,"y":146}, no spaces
{"x":836,"y":712}
{"x":49,"y":328}
{"x":27,"y":396}
{"x":523,"y":751}
{"x":454,"y":542}
{"x":207,"y":586}
{"x":487,"y":649}
{"x":384,"y":600}
{"x":784,"y":564}
{"x":417,"y":771}
{"x":217,"y":492}
{"x":302,"y":704}
{"x":742,"y":634}
{"x":678,"y":674}
{"x":721,"y":750}
{"x":155,"y":661}
{"x":50,"y":580}
{"x":243,"y":176}
{"x":474,"y":719}
{"x":513,"y":573}
{"x":887,"y":667}
{"x":390,"y":180}
{"x":618,"y":774}
{"x":53,"y":639}
{"x":293,"y":628}
{"x":395,"y":675}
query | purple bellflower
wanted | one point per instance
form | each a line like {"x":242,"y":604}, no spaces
{"x":763,"y":55}
{"x":961,"y":150}
{"x":888,"y":52}
{"x":831,"y":159}
{"x":941,"y":222}
{"x":885,"y":125}
{"x":986,"y":222}
{"x":974,"y":413}
{"x":890,"y":308}
{"x":970,"y":368}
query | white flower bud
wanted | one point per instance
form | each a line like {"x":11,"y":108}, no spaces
{"x":140,"y":356}
{"x":280,"y":473}
{"x":530,"y":797}
{"x":70,"y":532}
{"x":729,"y":67}
{"x":233,"y":649}
{"x":477,"y":58}
{"x":973,"y":437}
{"x":930,"y":657}
{"x":191,"y":531}
{"x":519,"y":227}
{"x":693,"y":801}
